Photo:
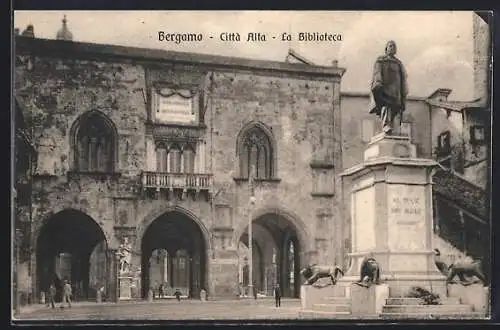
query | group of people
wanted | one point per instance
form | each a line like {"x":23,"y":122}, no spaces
{"x":67,"y":293}
{"x":160,"y":291}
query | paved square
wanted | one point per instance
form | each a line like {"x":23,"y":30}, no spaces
{"x":170,"y":310}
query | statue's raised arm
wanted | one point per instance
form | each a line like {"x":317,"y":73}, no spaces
{"x":389,"y":90}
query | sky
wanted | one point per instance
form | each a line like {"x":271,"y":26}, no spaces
{"x":435,"y":47}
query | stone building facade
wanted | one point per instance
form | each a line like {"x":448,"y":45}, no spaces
{"x":157,"y":147}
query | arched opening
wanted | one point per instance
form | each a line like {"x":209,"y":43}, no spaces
{"x":275,"y":256}
{"x":94,"y":143}
{"x":173,"y":256}
{"x":72,"y":246}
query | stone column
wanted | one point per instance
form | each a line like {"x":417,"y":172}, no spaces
{"x":112,"y":290}
{"x":391,"y":216}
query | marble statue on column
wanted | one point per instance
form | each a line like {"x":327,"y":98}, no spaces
{"x":389,"y":90}
{"x":124,"y":277}
{"x":125,"y":252}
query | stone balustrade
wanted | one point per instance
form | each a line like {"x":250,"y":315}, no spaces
{"x":185,"y":181}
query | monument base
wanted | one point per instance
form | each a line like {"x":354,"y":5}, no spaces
{"x":125,"y":288}
{"x":311,"y":295}
{"x":368,"y":301}
{"x":475,"y":295}
{"x":400,"y":285}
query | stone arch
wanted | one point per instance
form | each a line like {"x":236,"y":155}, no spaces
{"x":156,"y":213}
{"x":55,"y":236}
{"x":74,"y":130}
{"x":58,"y":208}
{"x":169,"y":228}
{"x":303,"y":233}
{"x":273,"y":150}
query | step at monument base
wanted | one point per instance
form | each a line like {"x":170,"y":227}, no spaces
{"x":432,"y":316}
{"x":334,"y":308}
{"x":414,"y":308}
{"x":311,"y":314}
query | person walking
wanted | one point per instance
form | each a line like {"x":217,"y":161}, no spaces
{"x":178,"y":294}
{"x":161,"y":291}
{"x":67,"y":292}
{"x":52,"y":296}
{"x":277,"y":295}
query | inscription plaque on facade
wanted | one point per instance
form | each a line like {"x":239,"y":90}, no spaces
{"x":174,"y":106}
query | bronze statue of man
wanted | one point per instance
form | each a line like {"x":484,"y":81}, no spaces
{"x":389,"y":90}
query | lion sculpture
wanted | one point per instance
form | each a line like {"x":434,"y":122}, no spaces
{"x":369,"y":273}
{"x":466,"y":271}
{"x":313,"y":273}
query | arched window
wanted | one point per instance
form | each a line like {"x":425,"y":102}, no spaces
{"x":94,"y":147}
{"x":161,"y":159}
{"x":188,"y":155}
{"x":255,"y":149}
{"x":175,"y":157}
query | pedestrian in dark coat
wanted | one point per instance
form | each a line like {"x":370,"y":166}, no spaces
{"x":277,"y":295}
{"x":178,"y":294}
{"x":52,"y":295}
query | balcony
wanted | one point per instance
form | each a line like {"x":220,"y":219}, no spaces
{"x":185,"y":183}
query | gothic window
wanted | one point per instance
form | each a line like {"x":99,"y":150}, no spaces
{"x":161,"y":160}
{"x":173,"y":159}
{"x":175,"y":156}
{"x":188,"y":157}
{"x":94,"y":144}
{"x":256,"y":150}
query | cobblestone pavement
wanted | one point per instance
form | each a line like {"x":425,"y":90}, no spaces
{"x":169,"y":310}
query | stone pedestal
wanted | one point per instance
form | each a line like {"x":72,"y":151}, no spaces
{"x":310,"y":294}
{"x":125,"y":290}
{"x":391,"y":216}
{"x":368,"y":301}
{"x":475,"y":295}
{"x":223,"y":275}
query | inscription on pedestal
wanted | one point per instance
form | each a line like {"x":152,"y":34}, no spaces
{"x":407,"y":217}
{"x":406,"y":204}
